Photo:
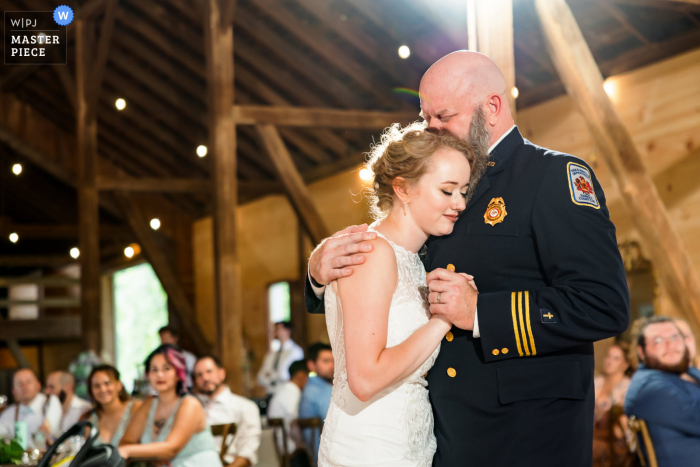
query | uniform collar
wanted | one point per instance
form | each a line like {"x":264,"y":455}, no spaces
{"x":502,"y":150}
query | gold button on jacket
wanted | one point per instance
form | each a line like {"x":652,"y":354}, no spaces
{"x":451,"y":372}
{"x":504,"y":350}
{"x":495,"y":352}
{"x":449,"y":336}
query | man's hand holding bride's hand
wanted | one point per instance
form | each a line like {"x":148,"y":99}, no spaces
{"x":458,"y":297}
{"x":332,"y":259}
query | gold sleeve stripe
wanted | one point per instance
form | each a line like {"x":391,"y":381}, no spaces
{"x":515,"y":323}
{"x":522,"y":323}
{"x":527,"y":320}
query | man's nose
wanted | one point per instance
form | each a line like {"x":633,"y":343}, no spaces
{"x":435,"y":123}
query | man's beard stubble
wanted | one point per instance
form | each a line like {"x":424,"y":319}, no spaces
{"x":479,"y":138}
{"x":677,"y":369}
{"x":210,"y":393}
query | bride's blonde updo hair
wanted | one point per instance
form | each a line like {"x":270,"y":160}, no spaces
{"x":405,"y":153}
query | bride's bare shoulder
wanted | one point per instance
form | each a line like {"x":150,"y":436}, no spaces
{"x":379,"y":263}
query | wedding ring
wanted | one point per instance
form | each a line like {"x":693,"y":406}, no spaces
{"x":438,"y":297}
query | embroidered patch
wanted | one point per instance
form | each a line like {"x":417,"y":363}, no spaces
{"x":581,"y":185}
{"x":547,"y":316}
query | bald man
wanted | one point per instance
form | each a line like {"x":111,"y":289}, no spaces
{"x":513,"y":384}
{"x":62,"y":385}
{"x":41,"y":413}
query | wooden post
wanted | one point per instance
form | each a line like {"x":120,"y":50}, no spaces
{"x":584,"y":83}
{"x":88,"y":196}
{"x":218,"y":46}
{"x":494,"y":32}
{"x":298,"y":194}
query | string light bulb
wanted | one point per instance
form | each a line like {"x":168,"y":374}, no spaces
{"x":74,"y":253}
{"x":14,"y":237}
{"x":610,"y":88}
{"x":155,"y":223}
{"x":17,"y":169}
{"x":129,"y":252}
{"x":404,"y":51}
{"x":514,"y":92}
{"x":201,"y":150}
{"x":120,"y":104}
{"x":366,"y":174}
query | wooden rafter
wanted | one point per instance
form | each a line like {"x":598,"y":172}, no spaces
{"x":161,"y":266}
{"x":584,"y":83}
{"x":320,"y":118}
{"x":297,"y":192}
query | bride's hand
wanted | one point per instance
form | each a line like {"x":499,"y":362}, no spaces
{"x":444,"y":320}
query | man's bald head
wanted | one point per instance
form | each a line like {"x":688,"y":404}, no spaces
{"x":25,"y":386}
{"x":60,"y":381}
{"x":456,"y":84}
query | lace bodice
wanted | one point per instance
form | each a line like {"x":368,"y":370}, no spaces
{"x":408,"y":312}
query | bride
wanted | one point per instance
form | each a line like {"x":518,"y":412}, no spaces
{"x":383,"y":336}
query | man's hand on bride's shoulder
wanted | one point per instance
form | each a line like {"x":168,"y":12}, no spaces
{"x":333,"y":258}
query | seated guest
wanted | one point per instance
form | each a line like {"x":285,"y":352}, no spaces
{"x":610,"y":441}
{"x":285,"y":401}
{"x":316,"y":396}
{"x":284,"y":351}
{"x":689,"y":342}
{"x":113,"y":407}
{"x":659,"y":394}
{"x":42,"y":413}
{"x":173,"y":425}
{"x":169,"y":335}
{"x":62,"y":384}
{"x":222,"y":406}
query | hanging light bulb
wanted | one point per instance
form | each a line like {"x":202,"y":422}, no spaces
{"x":14,"y":237}
{"x":201,"y":150}
{"x":366,"y":174}
{"x":129,"y":252}
{"x":17,"y":169}
{"x":155,"y":223}
{"x":120,"y":104}
{"x":404,"y":51}
{"x":74,"y":253}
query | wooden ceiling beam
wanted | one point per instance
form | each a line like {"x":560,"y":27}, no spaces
{"x":584,"y":82}
{"x":298,"y":193}
{"x":297,"y":60}
{"x":12,"y":261}
{"x":101,"y":54}
{"x":621,"y":18}
{"x":155,"y":185}
{"x":320,"y":118}
{"x":43,"y":329}
{"x":59,"y":231}
{"x":310,"y":36}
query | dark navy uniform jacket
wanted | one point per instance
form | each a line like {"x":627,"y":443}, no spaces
{"x":538,"y":240}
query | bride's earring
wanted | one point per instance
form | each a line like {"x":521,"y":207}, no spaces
{"x":405,"y":208}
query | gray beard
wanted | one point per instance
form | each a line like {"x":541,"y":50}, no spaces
{"x":479,"y":137}
{"x":678,"y":369}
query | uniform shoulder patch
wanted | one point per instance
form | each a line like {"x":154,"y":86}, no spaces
{"x":581,"y":185}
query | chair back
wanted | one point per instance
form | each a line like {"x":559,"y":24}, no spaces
{"x":639,"y":427}
{"x":279,"y":431}
{"x":316,"y":427}
{"x":227,"y":431}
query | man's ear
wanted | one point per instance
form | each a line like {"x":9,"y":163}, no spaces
{"x":401,"y":188}
{"x":222,"y":374}
{"x":492,"y":108}
{"x":640,"y":353}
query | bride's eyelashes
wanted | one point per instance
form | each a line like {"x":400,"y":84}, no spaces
{"x":450,"y":194}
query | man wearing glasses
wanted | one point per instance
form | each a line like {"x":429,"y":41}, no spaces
{"x":665,"y":392}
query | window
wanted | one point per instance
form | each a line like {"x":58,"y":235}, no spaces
{"x":278,"y":302}
{"x":140,"y":309}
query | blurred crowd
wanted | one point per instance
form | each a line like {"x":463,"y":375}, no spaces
{"x":186,"y":397}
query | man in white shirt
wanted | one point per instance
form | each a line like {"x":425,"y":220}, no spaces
{"x":62,"y":385}
{"x":41,"y":413}
{"x":222,"y":406}
{"x":285,"y":402}
{"x":275,"y":367}
{"x":170,"y":335}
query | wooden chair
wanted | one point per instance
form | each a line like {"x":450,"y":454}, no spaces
{"x":638,"y":426}
{"x":227,"y":432}
{"x":316,"y":427}
{"x":278,"y":428}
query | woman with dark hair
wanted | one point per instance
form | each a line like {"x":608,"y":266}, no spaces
{"x":611,"y":439}
{"x":173,"y":425}
{"x":113,"y":407}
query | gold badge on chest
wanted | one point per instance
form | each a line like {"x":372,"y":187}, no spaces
{"x":495,"y":212}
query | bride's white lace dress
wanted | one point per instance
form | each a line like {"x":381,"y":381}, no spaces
{"x":394,"y":428}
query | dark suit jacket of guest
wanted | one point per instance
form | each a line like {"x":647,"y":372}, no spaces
{"x":671,"y":408}
{"x":551,"y":282}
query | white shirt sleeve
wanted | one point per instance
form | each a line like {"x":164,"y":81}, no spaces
{"x":476,"y":332}
{"x":318,"y":291}
{"x":248,"y":431}
{"x":7,"y":422}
